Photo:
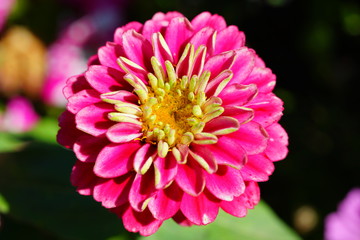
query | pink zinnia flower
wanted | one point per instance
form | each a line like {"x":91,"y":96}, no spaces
{"x":174,"y":119}
{"x":345,"y":222}
{"x":19,"y":116}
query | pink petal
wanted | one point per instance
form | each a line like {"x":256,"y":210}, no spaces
{"x":263,"y":78}
{"x":243,"y":65}
{"x":251,"y":136}
{"x":165,"y":170}
{"x":142,"y":222}
{"x":203,"y":37}
{"x":220,"y":124}
{"x":68,"y":132}
{"x":151,"y":27}
{"x":205,"y":19}
{"x":142,"y":189}
{"x":137,"y":48}
{"x":228,"y":39}
{"x":105,"y":79}
{"x":130,"y":67}
{"x":180,"y":219}
{"x":161,"y":49}
{"x":258,"y":168}
{"x":217,"y":84}
{"x":184,"y":153}
{"x":120,"y":31}
{"x":199,"y":60}
{"x":75,"y":84}
{"x":241,"y":114}
{"x":121,"y":95}
{"x":83,"y":177}
{"x":159,"y":16}
{"x":113,"y":192}
{"x":267,"y":107}
{"x":200,"y":210}
{"x":190,"y":178}
{"x":228,"y":151}
{"x":201,"y":155}
{"x":238,"y":207}
{"x":226,"y":183}
{"x":115,"y":160}
{"x":278,"y":142}
{"x":82,"y":99}
{"x":87,"y":147}
{"x":185,"y":64}
{"x":219,"y":63}
{"x":142,"y":157}
{"x":123,"y":132}
{"x":93,"y":119}
{"x":238,"y":95}
{"x":93,"y":60}
{"x":109,"y":54}
{"x":159,"y":23}
{"x":259,"y":62}
{"x":120,"y":210}
{"x":177,"y":35}
{"x":166,"y":203}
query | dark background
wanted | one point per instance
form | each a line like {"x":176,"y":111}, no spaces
{"x":313,"y":46}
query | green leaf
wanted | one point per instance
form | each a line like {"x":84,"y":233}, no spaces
{"x":261,"y":223}
{"x":4,"y":205}
{"x":10,"y":142}
{"x":45,"y":130}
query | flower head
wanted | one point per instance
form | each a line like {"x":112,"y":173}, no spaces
{"x":174,"y":119}
{"x":344,"y":224}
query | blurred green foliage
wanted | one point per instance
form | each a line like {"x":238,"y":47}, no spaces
{"x":260,"y":223}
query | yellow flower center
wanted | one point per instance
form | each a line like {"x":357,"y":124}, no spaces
{"x":173,"y":109}
{"x":171,"y":112}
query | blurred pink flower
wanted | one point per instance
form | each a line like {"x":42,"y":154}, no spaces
{"x":344,"y":224}
{"x":66,"y":55}
{"x":19,"y":116}
{"x":64,"y":60}
{"x":5,"y":8}
{"x":174,"y":119}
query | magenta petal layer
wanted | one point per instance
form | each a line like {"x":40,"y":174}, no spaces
{"x":142,"y":222}
{"x":239,"y":206}
{"x":113,"y":192}
{"x":200,"y":210}
{"x":174,"y":118}
{"x":115,"y":160}
{"x":166,"y":203}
